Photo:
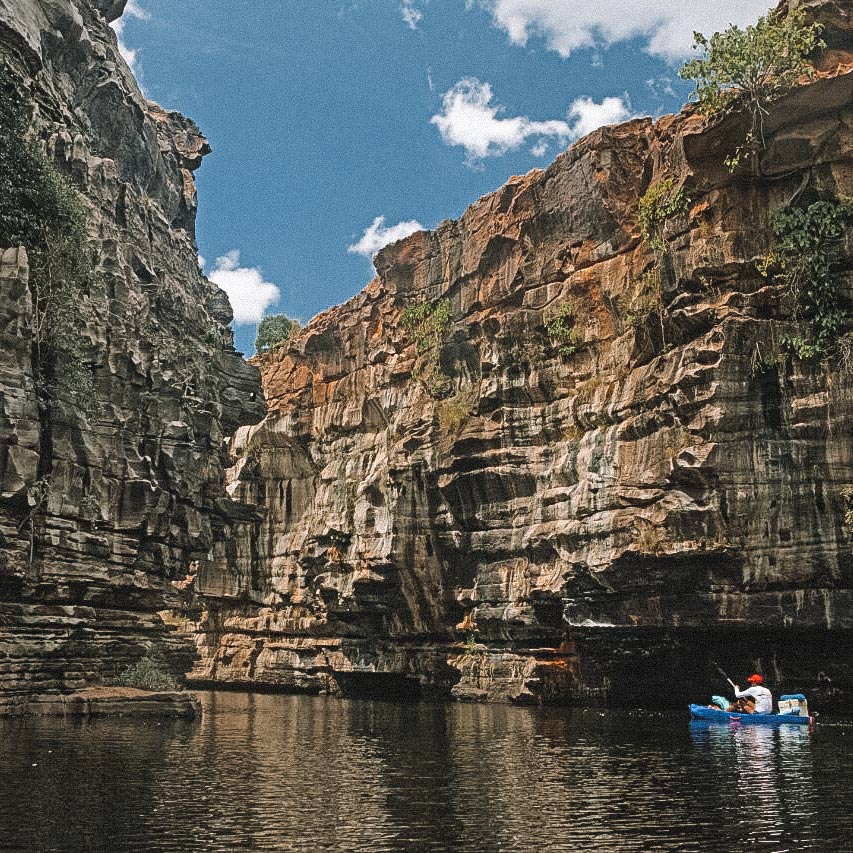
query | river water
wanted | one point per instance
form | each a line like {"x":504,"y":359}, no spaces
{"x":300,"y":773}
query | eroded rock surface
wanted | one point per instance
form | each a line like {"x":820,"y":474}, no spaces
{"x":99,"y":513}
{"x":595,"y":524}
{"x":111,"y":702}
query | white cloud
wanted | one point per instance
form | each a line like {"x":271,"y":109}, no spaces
{"x":247,"y":291}
{"x":136,"y":11}
{"x":470,"y":119}
{"x":661,"y":87}
{"x":132,"y":10}
{"x":666,"y":26}
{"x":376,"y":236}
{"x":411,"y":14}
{"x":587,"y":116}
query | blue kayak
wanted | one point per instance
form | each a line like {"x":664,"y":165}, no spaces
{"x":715,"y":715}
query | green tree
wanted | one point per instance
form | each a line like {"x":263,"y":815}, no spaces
{"x":274,"y":331}
{"x":751,"y":68}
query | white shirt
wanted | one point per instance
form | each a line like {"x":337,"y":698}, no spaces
{"x":763,"y":698}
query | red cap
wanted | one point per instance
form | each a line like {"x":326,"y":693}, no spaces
{"x":755,"y":678}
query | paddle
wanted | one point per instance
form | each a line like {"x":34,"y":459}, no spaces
{"x":722,"y":672}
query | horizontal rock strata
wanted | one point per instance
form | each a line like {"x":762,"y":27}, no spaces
{"x":100,"y":512}
{"x":111,"y":702}
{"x":551,"y":524}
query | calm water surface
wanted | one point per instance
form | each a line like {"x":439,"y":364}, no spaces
{"x":296,"y":773}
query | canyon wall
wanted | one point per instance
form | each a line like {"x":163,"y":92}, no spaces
{"x":101,"y":507}
{"x":593,"y":521}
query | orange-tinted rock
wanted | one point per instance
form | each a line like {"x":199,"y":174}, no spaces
{"x":519,"y":539}
{"x":600,"y":523}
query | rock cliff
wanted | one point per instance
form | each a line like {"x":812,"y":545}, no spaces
{"x":593,"y":516}
{"x":100,"y":509}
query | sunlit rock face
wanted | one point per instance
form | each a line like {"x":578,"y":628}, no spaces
{"x":558,"y":525}
{"x":597,"y":524}
{"x":136,"y":490}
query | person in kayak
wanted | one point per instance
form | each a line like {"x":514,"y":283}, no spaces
{"x":763,"y":697}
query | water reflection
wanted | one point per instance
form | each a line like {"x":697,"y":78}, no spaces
{"x":288,"y":773}
{"x":770,"y":771}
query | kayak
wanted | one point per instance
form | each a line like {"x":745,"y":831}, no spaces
{"x":703,"y":712}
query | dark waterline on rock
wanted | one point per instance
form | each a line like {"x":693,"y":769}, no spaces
{"x":301,"y":773}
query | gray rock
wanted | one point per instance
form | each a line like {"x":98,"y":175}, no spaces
{"x":136,"y":490}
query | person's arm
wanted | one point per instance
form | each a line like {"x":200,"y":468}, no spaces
{"x":739,"y":694}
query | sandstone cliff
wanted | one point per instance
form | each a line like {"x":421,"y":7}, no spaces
{"x":98,"y":512}
{"x":600,"y":522}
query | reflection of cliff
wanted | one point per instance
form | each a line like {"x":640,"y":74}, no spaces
{"x":560,"y":521}
{"x":132,"y":492}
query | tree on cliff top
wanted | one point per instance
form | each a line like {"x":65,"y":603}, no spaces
{"x":751,"y":68}
{"x":274,"y":331}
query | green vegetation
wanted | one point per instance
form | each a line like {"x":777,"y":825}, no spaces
{"x":183,"y":361}
{"x":148,"y":673}
{"x":454,"y":411}
{"x":645,"y":301}
{"x":273,"y":331}
{"x":807,"y":249}
{"x":470,"y":647}
{"x":660,"y":202}
{"x":750,"y":69}
{"x":562,"y":332}
{"x":90,"y":507}
{"x":38,"y":492}
{"x":40,"y":210}
{"x":428,"y":325}
{"x":657,"y":205}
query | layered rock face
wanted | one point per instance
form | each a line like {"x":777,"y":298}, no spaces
{"x":598,"y":522}
{"x":98,"y":512}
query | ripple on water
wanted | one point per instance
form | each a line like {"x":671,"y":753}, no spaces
{"x":297,"y":773}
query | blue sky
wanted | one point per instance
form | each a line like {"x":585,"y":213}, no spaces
{"x":325,"y":115}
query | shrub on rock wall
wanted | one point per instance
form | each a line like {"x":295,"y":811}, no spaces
{"x":428,"y":325}
{"x":808,"y":251}
{"x":42,"y":211}
{"x":562,"y":332}
{"x":454,"y":411}
{"x":659,"y":203}
{"x":149,"y":673}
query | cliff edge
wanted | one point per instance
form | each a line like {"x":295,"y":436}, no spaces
{"x":104,"y":502}
{"x":609,"y":472}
